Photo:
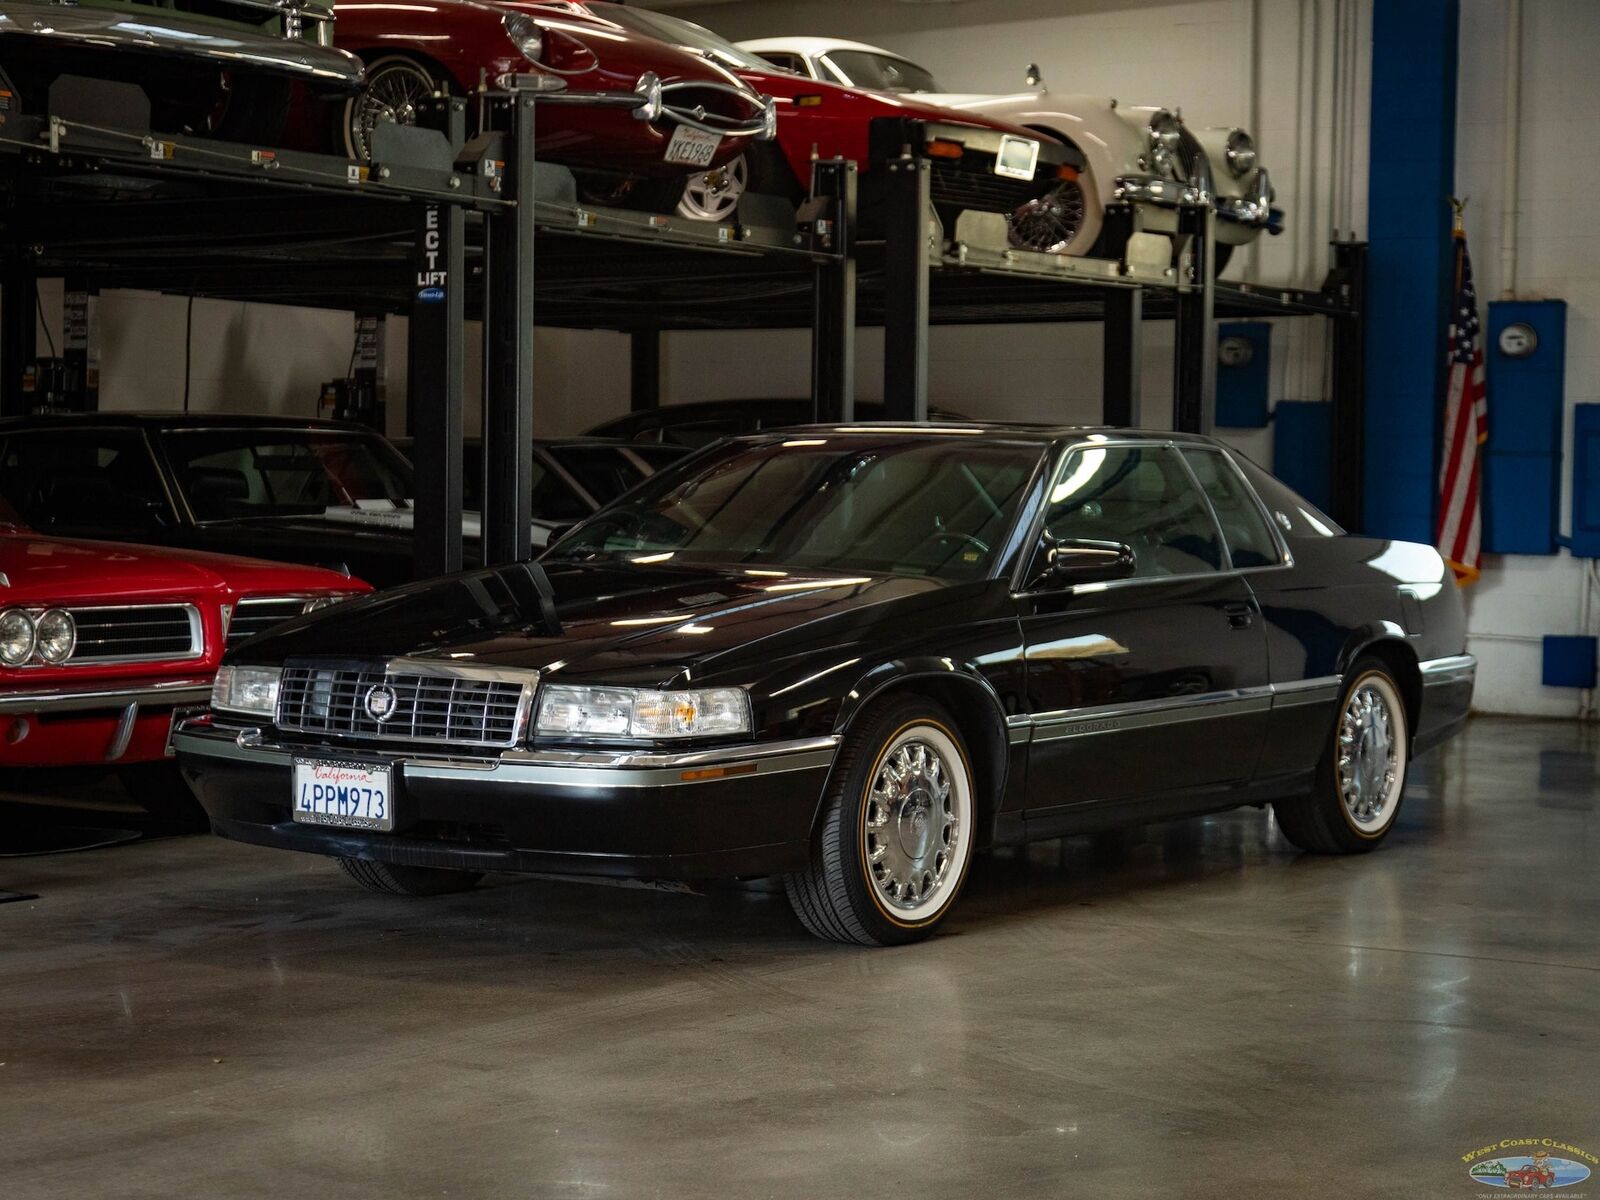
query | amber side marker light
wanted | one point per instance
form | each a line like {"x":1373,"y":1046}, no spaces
{"x":1067,"y":172}
{"x":940,"y":148}
{"x":808,"y":101}
{"x":703,"y":773}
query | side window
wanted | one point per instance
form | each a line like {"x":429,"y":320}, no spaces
{"x":1140,"y":496}
{"x":84,"y":480}
{"x":1250,"y":542}
{"x":786,"y":62}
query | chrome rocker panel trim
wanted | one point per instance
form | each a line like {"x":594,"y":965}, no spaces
{"x":159,"y":32}
{"x":1115,"y":718}
{"x":80,"y":699}
{"x":1458,"y":668}
{"x":535,"y":768}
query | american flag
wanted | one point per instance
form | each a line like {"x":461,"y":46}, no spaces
{"x":1466,"y":428}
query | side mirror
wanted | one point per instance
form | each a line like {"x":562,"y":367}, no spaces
{"x":1070,"y":562}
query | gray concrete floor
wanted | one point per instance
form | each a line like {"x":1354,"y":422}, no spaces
{"x":1202,"y":1013}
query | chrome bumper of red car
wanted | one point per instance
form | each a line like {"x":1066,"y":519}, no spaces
{"x":651,"y":100}
{"x":90,"y":696}
{"x":160,"y":32}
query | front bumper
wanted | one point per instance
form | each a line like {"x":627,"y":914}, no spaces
{"x":88,"y":697}
{"x":155,"y":31}
{"x":94,"y":723}
{"x":641,"y":815}
{"x":1253,"y":208}
{"x":1157,"y":190}
{"x":656,"y":102}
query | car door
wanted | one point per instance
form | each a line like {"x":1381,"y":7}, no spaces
{"x":1149,"y":684}
{"x":89,"y":482}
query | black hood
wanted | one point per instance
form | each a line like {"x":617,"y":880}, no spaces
{"x":629,"y":623}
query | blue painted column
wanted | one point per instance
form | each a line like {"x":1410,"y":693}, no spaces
{"x":1411,"y":176}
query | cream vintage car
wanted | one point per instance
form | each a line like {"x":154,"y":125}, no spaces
{"x":1145,"y":156}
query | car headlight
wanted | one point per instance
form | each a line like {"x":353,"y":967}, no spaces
{"x":1240,"y":153}
{"x":1166,"y":134}
{"x":252,"y":691}
{"x":525,"y":35}
{"x":611,"y":712}
{"x":55,"y":636}
{"x":16,"y":637}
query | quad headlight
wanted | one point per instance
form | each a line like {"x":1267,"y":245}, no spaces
{"x":1240,"y":153}
{"x":611,"y":712}
{"x":250,"y":691}
{"x":17,"y":635}
{"x":525,"y":35}
{"x":55,"y":636}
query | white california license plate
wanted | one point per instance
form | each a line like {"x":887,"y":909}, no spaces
{"x":1018,"y":157}
{"x":350,"y":795}
{"x":691,"y":147}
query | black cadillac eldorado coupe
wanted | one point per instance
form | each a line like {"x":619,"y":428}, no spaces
{"x":853,"y":656}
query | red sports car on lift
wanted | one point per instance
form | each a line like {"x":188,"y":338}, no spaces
{"x":614,"y":105}
{"x":101,"y":645}
{"x":707,"y":147}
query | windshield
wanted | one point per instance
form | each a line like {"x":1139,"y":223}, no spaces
{"x":936,"y":507}
{"x":678,"y":32}
{"x":880,"y":72}
{"x":226,"y":474}
{"x":604,"y":471}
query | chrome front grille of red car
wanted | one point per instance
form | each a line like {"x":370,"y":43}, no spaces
{"x":136,"y":633}
{"x":455,"y":708}
{"x":258,"y":614}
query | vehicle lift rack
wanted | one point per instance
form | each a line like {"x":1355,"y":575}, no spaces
{"x":436,"y":229}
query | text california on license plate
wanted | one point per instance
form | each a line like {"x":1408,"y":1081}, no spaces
{"x":1017,"y":157}
{"x":348,"y":795}
{"x":691,"y":147}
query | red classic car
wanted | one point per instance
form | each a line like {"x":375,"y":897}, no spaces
{"x":1533,"y":1175}
{"x":613,"y":104}
{"x":994,"y":168}
{"x":101,"y":644}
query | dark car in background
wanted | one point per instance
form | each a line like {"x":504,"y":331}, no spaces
{"x":572,"y":478}
{"x":317,"y":492}
{"x":222,"y":68}
{"x":852,"y":656}
{"x":703,"y":422}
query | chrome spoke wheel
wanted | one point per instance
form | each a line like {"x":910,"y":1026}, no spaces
{"x":395,"y":89}
{"x":917,"y":823}
{"x":1371,"y":754}
{"x":715,"y":195}
{"x":1050,"y":223}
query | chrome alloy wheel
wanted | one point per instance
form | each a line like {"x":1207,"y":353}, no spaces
{"x":715,"y":195}
{"x":1371,"y":754}
{"x":395,"y":87}
{"x":917,"y":823}
{"x":1049,"y":224}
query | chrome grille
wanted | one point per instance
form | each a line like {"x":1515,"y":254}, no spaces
{"x":445,"y":706}
{"x":254,"y":616}
{"x":136,"y":633}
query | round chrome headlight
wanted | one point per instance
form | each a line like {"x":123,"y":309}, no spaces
{"x":55,"y":636}
{"x":1240,"y":153}
{"x":1166,"y":134}
{"x":525,"y":35}
{"x":16,"y":637}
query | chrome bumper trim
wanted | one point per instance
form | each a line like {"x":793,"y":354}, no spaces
{"x":79,"y":699}
{"x":544,"y":768}
{"x":651,"y":100}
{"x":1458,"y":668}
{"x":1254,"y":209}
{"x":156,"y":31}
{"x":1153,"y":189}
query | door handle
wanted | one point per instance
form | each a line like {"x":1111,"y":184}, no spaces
{"x":1240,"y":616}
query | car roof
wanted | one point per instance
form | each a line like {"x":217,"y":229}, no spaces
{"x":170,"y":420}
{"x":983,"y":431}
{"x":816,"y":45}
